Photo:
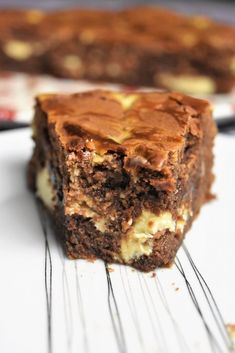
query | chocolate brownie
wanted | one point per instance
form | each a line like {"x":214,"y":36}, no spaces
{"x":122,"y":175}
{"x":146,"y":46}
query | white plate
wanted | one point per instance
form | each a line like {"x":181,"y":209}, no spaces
{"x":18,"y":91}
{"x":86,"y":310}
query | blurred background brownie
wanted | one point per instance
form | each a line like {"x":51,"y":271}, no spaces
{"x":145,"y":46}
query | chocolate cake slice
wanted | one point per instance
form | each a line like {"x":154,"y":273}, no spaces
{"x":122,"y":175}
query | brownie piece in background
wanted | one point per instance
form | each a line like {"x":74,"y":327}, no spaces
{"x":144,"y":46}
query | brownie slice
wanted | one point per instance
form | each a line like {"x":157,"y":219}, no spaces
{"x":146,"y":46}
{"x":150,"y":46}
{"x":23,"y":42}
{"x":122,"y":175}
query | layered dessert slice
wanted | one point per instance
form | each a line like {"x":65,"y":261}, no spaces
{"x":122,"y":175}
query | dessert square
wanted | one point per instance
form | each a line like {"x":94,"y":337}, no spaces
{"x":143,"y":46}
{"x":122,"y":175}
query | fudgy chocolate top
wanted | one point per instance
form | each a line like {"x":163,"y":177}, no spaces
{"x":149,"y":128}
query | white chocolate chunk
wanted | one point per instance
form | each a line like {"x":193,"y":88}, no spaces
{"x":138,"y":241}
{"x":149,"y":223}
{"x":124,"y":135}
{"x":184,"y":214}
{"x":100,"y":225}
{"x":44,"y":188}
{"x":18,"y":50}
{"x":126,"y":100}
{"x":187,"y":83}
{"x":98,"y":158}
{"x":74,"y":173}
{"x":133,"y":248}
{"x":77,"y":207}
{"x":83,"y":207}
{"x":72,"y":63}
{"x":180,"y":225}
